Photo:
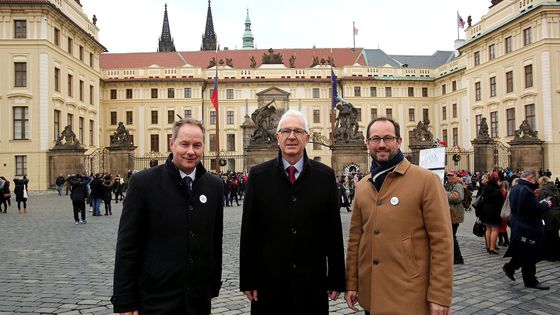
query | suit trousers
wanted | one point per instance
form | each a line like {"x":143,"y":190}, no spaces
{"x":79,"y":206}
{"x":528,"y":270}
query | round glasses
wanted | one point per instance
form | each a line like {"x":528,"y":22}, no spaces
{"x":286,"y":132}
{"x":377,"y":140}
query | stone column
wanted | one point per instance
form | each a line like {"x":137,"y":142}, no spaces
{"x":346,"y":154}
{"x":259,"y":153}
{"x":65,"y":162}
{"x":483,"y":155}
{"x":118,"y":159}
{"x":527,"y":155}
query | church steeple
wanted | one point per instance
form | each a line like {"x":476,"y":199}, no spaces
{"x":248,"y":35}
{"x":166,"y":41}
{"x":209,"y":38}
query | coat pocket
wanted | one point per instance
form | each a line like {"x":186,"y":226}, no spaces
{"x":409,"y":258}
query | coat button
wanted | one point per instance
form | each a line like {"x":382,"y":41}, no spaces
{"x":191,"y":208}
{"x":191,"y":260}
{"x":294,"y":198}
{"x":294,"y":266}
{"x":192,"y":234}
{"x":375,"y":262}
{"x":375,"y":231}
{"x":294,"y":231}
{"x":379,"y":202}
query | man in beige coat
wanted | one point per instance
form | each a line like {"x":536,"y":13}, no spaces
{"x":400,"y":246}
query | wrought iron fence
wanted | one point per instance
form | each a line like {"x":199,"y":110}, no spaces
{"x":228,"y":162}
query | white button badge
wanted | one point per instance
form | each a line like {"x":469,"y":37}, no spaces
{"x":394,"y":201}
{"x":203,"y":198}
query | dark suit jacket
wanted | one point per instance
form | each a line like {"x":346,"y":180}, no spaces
{"x":169,"y":247}
{"x":291,"y":239}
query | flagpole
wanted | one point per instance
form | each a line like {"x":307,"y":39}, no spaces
{"x":457,"y":24}
{"x":333,"y":103}
{"x":218,"y":166}
{"x":354,"y":34}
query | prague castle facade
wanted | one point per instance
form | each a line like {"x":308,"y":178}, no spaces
{"x":505,"y":70}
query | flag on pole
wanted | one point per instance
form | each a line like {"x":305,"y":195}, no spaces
{"x":334,"y":92}
{"x":214,"y":97}
{"x":460,"y":21}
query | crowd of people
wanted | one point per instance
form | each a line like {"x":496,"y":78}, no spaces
{"x":526,"y":202}
{"x":92,"y":190}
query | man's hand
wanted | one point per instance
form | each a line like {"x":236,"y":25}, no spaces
{"x":351,"y":298}
{"x":437,"y":309}
{"x":251,"y":295}
{"x":130,"y":313}
{"x":333,"y":295}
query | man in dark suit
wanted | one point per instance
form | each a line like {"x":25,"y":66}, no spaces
{"x":169,"y":247}
{"x":292,"y":254}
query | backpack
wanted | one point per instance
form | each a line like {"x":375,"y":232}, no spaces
{"x":467,"y":199}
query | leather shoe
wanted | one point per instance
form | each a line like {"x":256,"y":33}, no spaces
{"x":538,"y":286}
{"x":508,"y":274}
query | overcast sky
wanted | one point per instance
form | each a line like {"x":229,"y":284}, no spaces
{"x":397,"y":26}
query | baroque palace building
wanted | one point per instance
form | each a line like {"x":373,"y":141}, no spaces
{"x":56,"y":73}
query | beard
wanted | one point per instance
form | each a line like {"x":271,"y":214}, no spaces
{"x":382,"y":156}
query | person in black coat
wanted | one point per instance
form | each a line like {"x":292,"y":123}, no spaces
{"x":527,"y":231}
{"x":20,"y":190}
{"x":291,"y":249}
{"x":169,"y":246}
{"x":78,"y":195}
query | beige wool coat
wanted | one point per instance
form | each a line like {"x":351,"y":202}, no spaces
{"x":400,"y":246}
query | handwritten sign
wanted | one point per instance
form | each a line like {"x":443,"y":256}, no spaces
{"x":434,"y":160}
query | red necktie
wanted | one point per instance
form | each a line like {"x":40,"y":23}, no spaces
{"x":291,"y":174}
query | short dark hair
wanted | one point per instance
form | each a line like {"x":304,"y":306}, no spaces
{"x":185,"y":121}
{"x":395,"y":124}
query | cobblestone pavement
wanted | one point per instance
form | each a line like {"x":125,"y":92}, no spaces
{"x":49,"y":265}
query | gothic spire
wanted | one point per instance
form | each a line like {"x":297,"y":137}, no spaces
{"x":209,"y":38}
{"x":166,"y":41}
{"x":248,"y":35}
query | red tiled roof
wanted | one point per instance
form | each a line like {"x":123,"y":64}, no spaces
{"x":240,"y":58}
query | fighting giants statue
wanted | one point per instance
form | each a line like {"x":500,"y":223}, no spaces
{"x":121,"y":137}
{"x":525,"y":132}
{"x":346,"y":126}
{"x":421,"y":134}
{"x":265,"y":119}
{"x":70,"y":140}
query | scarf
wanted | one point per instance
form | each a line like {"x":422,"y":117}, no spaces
{"x":380,"y":171}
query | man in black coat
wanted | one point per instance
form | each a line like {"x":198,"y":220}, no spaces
{"x":78,"y":195}
{"x":169,"y":246}
{"x":292,"y":253}
{"x":527,"y":230}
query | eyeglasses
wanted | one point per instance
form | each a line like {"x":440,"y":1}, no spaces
{"x":286,"y":132}
{"x":386,"y":139}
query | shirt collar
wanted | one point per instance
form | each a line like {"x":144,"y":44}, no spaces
{"x":298,"y":166}
{"x":192,"y":175}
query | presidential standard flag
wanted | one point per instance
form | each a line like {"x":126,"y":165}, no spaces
{"x":334,"y":92}
{"x":214,"y":97}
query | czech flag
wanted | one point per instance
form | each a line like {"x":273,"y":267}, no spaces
{"x":214,"y":97}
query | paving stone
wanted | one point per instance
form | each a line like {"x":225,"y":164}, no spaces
{"x":50,"y":265}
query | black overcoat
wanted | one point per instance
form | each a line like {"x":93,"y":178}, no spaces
{"x":169,"y":248}
{"x":527,"y":230}
{"x":291,"y":245}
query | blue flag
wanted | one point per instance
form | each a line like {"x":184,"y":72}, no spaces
{"x":334,"y":92}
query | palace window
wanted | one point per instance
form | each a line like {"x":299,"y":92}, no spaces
{"x":510,"y":114}
{"x":229,"y":94}
{"x":476,"y":58}
{"x":20,"y":74}
{"x":454,"y":110}
{"x":21,"y":123}
{"x":154,"y":117}
{"x":170,"y":116}
{"x":509,"y":81}
{"x":230,"y":142}
{"x":494,"y":124}
{"x":389,"y":113}
{"x":70,"y":85}
{"x":81,"y":129}
{"x":212,"y":117}
{"x":91,"y":132}
{"x":316,"y":116}
{"x":170,"y":93}
{"x":491,"y":52}
{"x":443,"y":89}
{"x":81,"y":91}
{"x":113,"y":94}
{"x":527,"y":36}
{"x":411,"y":114}
{"x":57,"y":36}
{"x":129,"y":117}
{"x":357,"y":91}
{"x":70,"y":45}
{"x":530,"y":115}
{"x":455,"y":136}
{"x":373,"y":113}
{"x":373,"y":91}
{"x":188,"y":92}
{"x":113,"y":118}
{"x":154,"y":143}
{"x":56,"y":123}
{"x":388,"y":91}
{"x":444,"y":112}
{"x":188,"y":113}
{"x":129,"y":93}
{"x":57,"y":79}
{"x":454,"y":86}
{"x":528,"y":76}
{"x":21,"y":165}
{"x":424,"y":92}
{"x":20,"y":29}
{"x":508,"y":44}
{"x":477,"y":92}
{"x":315,"y":92}
{"x":492,"y":86}
{"x":229,"y":117}
{"x":410,"y":91}
{"x":91,"y":94}
{"x":154,"y":93}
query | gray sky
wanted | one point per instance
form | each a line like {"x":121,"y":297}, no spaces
{"x":398,"y":26}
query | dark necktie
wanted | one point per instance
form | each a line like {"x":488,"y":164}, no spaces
{"x":291,"y":173}
{"x":188,"y":183}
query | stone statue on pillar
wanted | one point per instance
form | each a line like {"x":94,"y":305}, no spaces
{"x":346,"y":125}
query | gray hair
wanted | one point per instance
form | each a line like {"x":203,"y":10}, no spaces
{"x":185,"y":121}
{"x":293,"y":113}
{"x":528,"y":173}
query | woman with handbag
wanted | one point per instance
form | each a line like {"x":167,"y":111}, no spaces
{"x":503,"y":239}
{"x":20,"y":189}
{"x":489,"y":211}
